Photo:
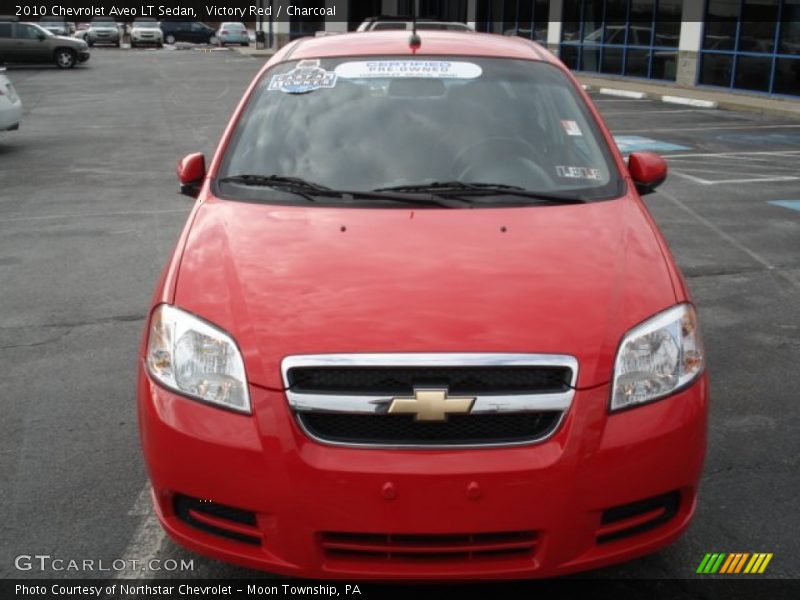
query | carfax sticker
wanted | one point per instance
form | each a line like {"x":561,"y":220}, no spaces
{"x":306,"y":77}
{"x":578,"y":173}
{"x":571,"y":127}
{"x":433,"y":69}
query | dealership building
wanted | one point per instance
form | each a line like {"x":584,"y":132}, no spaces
{"x":750,"y":46}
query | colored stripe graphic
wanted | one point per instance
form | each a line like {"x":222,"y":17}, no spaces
{"x":729,"y":564}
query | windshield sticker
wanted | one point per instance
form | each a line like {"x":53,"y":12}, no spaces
{"x":306,"y":77}
{"x":579,"y":173}
{"x":399,"y":69}
{"x":571,"y":127}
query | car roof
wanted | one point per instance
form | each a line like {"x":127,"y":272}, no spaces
{"x":434,"y":43}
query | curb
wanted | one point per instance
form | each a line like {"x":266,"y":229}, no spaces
{"x":623,"y":93}
{"x":690,"y":101}
{"x":644,"y":95}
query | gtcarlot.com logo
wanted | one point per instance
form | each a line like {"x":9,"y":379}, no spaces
{"x":46,"y":562}
{"x":734,"y":564}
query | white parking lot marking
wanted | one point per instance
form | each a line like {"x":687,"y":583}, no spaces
{"x":126,"y":213}
{"x":728,"y":238}
{"x":736,"y":167}
{"x":146,"y":541}
{"x":708,"y":128}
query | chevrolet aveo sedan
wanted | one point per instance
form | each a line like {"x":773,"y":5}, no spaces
{"x":419,"y":324}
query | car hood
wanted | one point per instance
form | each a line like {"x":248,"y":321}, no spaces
{"x":568,"y":279}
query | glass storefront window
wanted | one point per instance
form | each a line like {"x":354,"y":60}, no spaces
{"x":638,"y":38}
{"x":525,"y":18}
{"x":720,"y":31}
{"x":740,"y":50}
{"x":787,"y":76}
{"x":790,"y":28}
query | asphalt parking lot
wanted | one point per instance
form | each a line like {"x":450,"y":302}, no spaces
{"x":89,"y":212}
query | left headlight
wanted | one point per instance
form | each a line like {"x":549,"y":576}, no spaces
{"x":657,"y":358}
{"x":196,"y":359}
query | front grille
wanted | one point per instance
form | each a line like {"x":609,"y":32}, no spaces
{"x":401,"y":430}
{"x":394,"y":381}
{"x":225,"y":521}
{"x":429,"y":547}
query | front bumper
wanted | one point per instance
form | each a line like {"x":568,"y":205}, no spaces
{"x":301,"y":491}
{"x":10,"y":114}
{"x":83,"y":55}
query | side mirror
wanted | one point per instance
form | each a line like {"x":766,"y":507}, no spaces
{"x":648,"y":170}
{"x":191,"y":171}
{"x":42,"y":37}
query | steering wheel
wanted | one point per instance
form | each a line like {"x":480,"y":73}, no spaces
{"x":510,"y":154}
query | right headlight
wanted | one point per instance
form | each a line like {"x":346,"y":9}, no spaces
{"x":657,"y":358}
{"x":196,"y":359}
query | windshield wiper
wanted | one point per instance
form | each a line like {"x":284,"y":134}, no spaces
{"x":308,"y":189}
{"x":461,"y":188}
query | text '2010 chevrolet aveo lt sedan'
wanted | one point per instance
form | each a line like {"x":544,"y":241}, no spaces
{"x":420,"y":324}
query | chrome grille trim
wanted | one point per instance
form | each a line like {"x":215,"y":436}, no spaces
{"x":484,"y":403}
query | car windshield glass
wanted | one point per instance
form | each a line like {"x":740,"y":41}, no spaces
{"x":371,"y":123}
{"x":237,"y":26}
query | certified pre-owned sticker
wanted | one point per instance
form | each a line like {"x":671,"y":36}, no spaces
{"x":306,"y":77}
{"x":578,"y":173}
{"x":399,"y":69}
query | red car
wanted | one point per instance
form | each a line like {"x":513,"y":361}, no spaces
{"x":420,"y":325}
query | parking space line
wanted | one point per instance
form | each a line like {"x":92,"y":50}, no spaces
{"x":127,"y":213}
{"x":709,"y":128}
{"x":147,"y":539}
{"x":766,"y":179}
{"x":732,"y":154}
{"x":728,"y":238}
{"x":657,"y":112}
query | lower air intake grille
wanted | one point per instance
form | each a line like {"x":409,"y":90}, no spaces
{"x":637,"y":517}
{"x":381,"y":429}
{"x":455,"y":547}
{"x":225,"y":521}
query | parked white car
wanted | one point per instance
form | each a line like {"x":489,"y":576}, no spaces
{"x":10,"y":105}
{"x":146,"y":31}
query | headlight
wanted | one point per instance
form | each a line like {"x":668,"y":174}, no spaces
{"x":196,"y":359}
{"x":657,"y":358}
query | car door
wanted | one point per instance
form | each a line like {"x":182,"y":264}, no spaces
{"x":29,"y":45}
{"x":6,"y":41}
{"x":198,"y":33}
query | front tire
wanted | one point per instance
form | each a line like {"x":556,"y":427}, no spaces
{"x":64,"y":58}
{"x":213,"y":40}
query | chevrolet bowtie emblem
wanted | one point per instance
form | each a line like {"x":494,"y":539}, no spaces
{"x":430,"y":405}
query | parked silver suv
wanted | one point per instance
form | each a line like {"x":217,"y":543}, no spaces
{"x":29,"y":43}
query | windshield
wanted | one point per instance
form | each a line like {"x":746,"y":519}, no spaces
{"x":375,"y":123}
{"x":237,"y":26}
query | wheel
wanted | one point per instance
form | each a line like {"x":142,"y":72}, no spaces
{"x":213,"y":40}
{"x":170,"y":39}
{"x":64,"y":58}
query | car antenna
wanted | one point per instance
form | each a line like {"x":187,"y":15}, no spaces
{"x":414,"y":41}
